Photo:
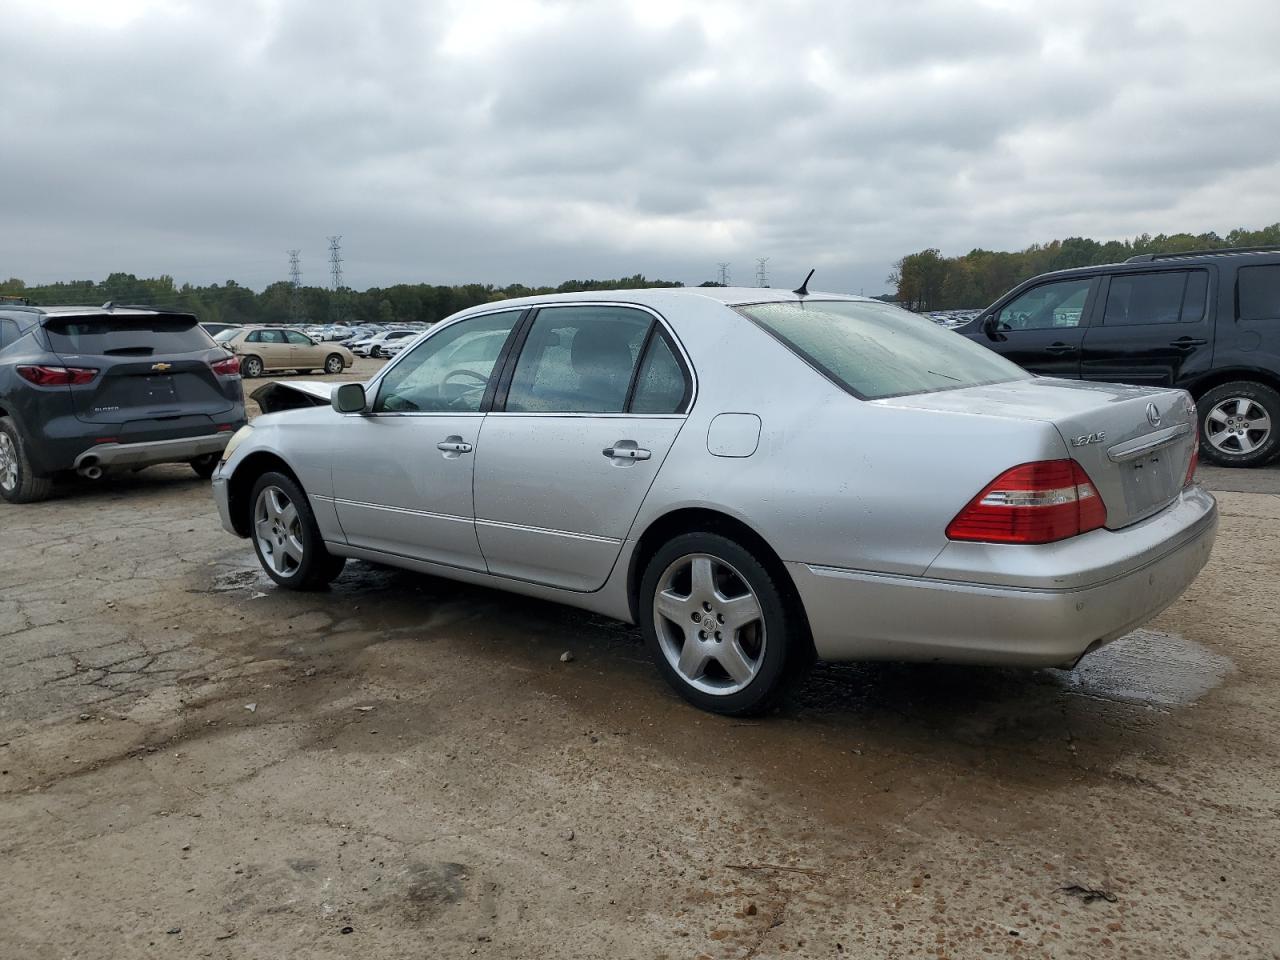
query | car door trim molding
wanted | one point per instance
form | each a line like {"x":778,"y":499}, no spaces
{"x":340,"y":501}
{"x":526,"y":528}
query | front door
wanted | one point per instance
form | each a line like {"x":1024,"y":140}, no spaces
{"x":578,"y":432}
{"x":1042,"y":328}
{"x":1152,"y":329}
{"x":402,"y":484}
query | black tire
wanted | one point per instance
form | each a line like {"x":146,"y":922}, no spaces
{"x":1226,"y":450}
{"x":204,"y":466}
{"x":251,"y":367}
{"x":317,"y":568}
{"x":18,"y":482}
{"x":785,"y":649}
{"x":333,"y":364}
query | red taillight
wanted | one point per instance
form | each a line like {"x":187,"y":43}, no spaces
{"x":1032,"y":503}
{"x":56,"y":376}
{"x":229,"y":367}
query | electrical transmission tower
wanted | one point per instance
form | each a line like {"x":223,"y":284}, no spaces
{"x":724,"y":274}
{"x":295,"y":285}
{"x":335,"y":274}
{"x":762,"y":276}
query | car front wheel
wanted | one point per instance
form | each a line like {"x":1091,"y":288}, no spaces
{"x":1238,"y":424}
{"x":333,"y":364}
{"x":286,"y":537}
{"x":718,"y":626}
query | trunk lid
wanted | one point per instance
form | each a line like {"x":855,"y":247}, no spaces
{"x":151,"y":367}
{"x":1135,"y":443}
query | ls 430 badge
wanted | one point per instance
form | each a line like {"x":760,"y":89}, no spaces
{"x":1089,"y":438}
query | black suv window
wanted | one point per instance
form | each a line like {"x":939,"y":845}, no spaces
{"x":1259,"y":292}
{"x":108,"y":335}
{"x":1047,"y":306}
{"x":1171,"y":296}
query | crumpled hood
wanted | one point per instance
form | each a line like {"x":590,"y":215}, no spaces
{"x":277,"y":396}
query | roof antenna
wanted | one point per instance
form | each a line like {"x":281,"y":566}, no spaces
{"x":803,"y":289}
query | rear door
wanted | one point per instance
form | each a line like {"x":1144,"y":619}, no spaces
{"x":304,"y":353}
{"x":1152,"y":328}
{"x":150,"y":368}
{"x":581,"y":425}
{"x":1042,"y":329}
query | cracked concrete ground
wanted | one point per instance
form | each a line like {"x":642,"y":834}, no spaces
{"x":198,"y":764}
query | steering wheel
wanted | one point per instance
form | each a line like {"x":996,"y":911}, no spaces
{"x":482,"y":381}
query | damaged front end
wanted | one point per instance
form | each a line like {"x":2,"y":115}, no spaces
{"x":276,"y":397}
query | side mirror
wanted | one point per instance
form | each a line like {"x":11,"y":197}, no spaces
{"x":989,"y":324}
{"x":348,"y":398}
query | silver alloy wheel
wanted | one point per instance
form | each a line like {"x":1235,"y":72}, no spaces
{"x":253,"y":368}
{"x":333,"y":364}
{"x":709,"y":624}
{"x":1237,"y":425}
{"x":278,"y":530}
{"x":8,"y":463}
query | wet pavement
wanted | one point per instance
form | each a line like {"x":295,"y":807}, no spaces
{"x":198,"y":764}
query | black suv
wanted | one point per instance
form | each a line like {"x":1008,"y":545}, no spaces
{"x":95,"y":388}
{"x":1207,"y":321}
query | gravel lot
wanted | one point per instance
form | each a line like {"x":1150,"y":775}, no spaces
{"x":198,"y":764}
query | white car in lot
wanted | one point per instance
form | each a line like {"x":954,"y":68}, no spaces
{"x":378,"y":344}
{"x":755,"y":477}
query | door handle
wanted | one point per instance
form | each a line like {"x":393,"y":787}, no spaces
{"x":1186,"y":343}
{"x":453,"y":445}
{"x":626,"y":450}
{"x":1059,"y":347}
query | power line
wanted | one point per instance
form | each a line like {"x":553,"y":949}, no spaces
{"x":295,"y":285}
{"x":335,"y":275}
{"x":762,"y":276}
{"x":724,"y":274}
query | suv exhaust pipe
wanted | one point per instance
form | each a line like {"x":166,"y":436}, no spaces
{"x":88,"y":467}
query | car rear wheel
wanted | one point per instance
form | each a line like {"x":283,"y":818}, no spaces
{"x":251,"y":367}
{"x":333,"y":364}
{"x":718,"y":626}
{"x":286,"y":537}
{"x":204,"y":466}
{"x":1239,"y":424}
{"x":18,"y":484}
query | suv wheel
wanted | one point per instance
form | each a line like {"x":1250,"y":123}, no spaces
{"x":333,"y":364}
{"x":251,"y":367}
{"x":204,"y":466}
{"x":718,"y":626}
{"x":1238,"y":424}
{"x":17,"y":482}
{"x":286,"y":536}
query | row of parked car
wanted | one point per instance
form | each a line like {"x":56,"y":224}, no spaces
{"x":90,"y":389}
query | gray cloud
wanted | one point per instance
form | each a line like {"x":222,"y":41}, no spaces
{"x":456,"y":141}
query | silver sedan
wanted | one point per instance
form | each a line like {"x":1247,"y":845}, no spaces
{"x":754,"y":477}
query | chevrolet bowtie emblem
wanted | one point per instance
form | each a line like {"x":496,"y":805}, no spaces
{"x":161,"y":367}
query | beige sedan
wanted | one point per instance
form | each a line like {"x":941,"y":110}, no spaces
{"x":272,"y":348}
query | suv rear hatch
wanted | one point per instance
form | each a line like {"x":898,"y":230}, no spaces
{"x":1135,"y":443}
{"x":152,"y":367}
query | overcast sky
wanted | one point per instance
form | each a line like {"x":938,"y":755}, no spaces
{"x":536,"y":142}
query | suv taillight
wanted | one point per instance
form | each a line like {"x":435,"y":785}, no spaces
{"x":1032,"y":503}
{"x":229,"y":367}
{"x":43,"y":376}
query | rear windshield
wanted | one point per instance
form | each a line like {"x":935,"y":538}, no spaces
{"x":126,"y":336}
{"x":874,"y":350}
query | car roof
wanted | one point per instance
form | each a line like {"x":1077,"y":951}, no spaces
{"x":657,"y":297}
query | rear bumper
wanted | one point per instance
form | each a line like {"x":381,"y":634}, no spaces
{"x":110,"y":455}
{"x":858,"y":615}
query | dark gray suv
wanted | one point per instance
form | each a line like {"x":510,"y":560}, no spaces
{"x":92,"y":389}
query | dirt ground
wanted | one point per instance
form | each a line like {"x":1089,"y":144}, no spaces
{"x":194,"y":763}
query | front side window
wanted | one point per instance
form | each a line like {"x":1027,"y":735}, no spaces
{"x":874,"y":350}
{"x":1046,"y":307}
{"x":578,"y":360}
{"x":1172,"y":296}
{"x":448,"y":372}
{"x":1259,"y":292}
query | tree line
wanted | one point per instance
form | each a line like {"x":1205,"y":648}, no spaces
{"x":231,"y":303}
{"x":929,"y":281}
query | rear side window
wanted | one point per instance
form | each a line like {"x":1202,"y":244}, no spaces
{"x":8,"y":333}
{"x":874,"y":350}
{"x":126,"y":335}
{"x":661,"y":386}
{"x":1259,"y":292}
{"x":578,"y":360}
{"x":1171,"y":296}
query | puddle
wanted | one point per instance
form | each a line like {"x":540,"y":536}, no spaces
{"x":1151,"y":667}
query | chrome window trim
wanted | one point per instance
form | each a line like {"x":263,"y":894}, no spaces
{"x":665,"y":325}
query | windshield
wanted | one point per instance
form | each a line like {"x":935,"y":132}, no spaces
{"x":222,"y":336}
{"x":874,"y":350}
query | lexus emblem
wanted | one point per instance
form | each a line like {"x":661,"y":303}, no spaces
{"x":1153,"y":415}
